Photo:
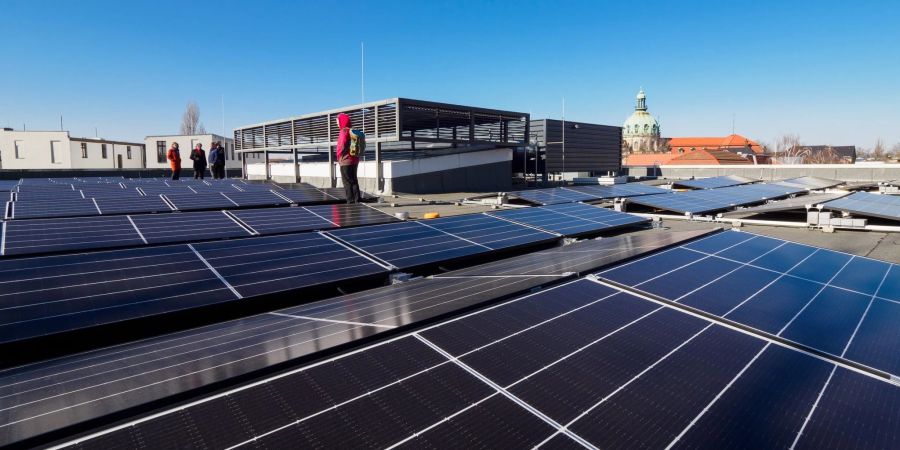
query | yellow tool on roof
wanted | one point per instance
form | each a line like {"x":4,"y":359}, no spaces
{"x":431,"y":215}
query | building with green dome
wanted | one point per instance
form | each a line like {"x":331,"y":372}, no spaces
{"x":640,"y":133}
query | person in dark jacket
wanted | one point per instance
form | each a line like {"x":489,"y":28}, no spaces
{"x":174,"y":157}
{"x":349,"y":164}
{"x":217,"y":161}
{"x":198,"y":156}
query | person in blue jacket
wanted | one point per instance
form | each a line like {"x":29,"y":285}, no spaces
{"x":217,"y":161}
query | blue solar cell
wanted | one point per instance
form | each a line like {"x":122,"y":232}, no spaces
{"x":784,"y":257}
{"x":34,"y":209}
{"x":408,"y":244}
{"x":878,"y":338}
{"x":862,"y":275}
{"x":489,"y":231}
{"x":735,"y":421}
{"x":644,"y":269}
{"x":821,"y":267}
{"x":709,"y":200}
{"x":190,"y":202}
{"x":687,"y":278}
{"x":854,"y":398}
{"x":713,"y":182}
{"x":828,"y":322}
{"x":552,"y":196}
{"x":726,"y":293}
{"x":570,"y":219}
{"x":890,"y":286}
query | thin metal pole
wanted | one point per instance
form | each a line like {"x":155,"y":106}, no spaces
{"x":564,"y":140}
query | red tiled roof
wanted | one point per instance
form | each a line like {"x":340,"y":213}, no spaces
{"x":648,"y":159}
{"x":712,"y":143}
{"x":711,"y":157}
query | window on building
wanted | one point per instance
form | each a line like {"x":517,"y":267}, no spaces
{"x":84,"y":149}
{"x":19,"y":150}
{"x":103,"y":151}
{"x":160,"y":151}
{"x":128,"y":151}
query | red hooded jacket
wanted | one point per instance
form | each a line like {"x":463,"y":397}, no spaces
{"x":343,"y":142}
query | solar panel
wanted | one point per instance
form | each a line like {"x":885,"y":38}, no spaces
{"x":579,"y":257}
{"x":8,"y":185}
{"x":43,"y":296}
{"x":21,"y":237}
{"x":864,"y":203}
{"x":825,"y":300}
{"x":49,"y":195}
{"x":194,"y":202}
{"x":572,"y":219}
{"x":152,"y":190}
{"x":351,"y":215}
{"x":320,"y":217}
{"x":34,"y":209}
{"x":551,"y":196}
{"x":306,"y":196}
{"x":407,"y":245}
{"x":257,"y":198}
{"x":800,"y":203}
{"x":810,"y":182}
{"x":490,"y":231}
{"x":619,"y":190}
{"x":106,"y":381}
{"x":581,"y":362}
{"x":339,"y":194}
{"x":129,"y":204}
{"x":713,"y":182}
{"x":709,"y":200}
{"x":280,"y":263}
{"x":187,"y":227}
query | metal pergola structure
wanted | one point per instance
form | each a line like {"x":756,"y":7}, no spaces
{"x":396,"y":124}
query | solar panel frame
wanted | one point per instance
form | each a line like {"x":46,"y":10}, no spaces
{"x":307,"y":196}
{"x":257,"y":198}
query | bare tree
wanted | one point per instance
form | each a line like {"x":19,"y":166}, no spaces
{"x":878,"y":151}
{"x":895,"y":151}
{"x":826,"y":156}
{"x":190,"y":120}
{"x":788,"y":147}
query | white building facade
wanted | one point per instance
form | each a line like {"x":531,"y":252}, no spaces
{"x":57,"y":150}
{"x":158,"y":146}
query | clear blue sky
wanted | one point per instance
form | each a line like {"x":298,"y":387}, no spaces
{"x":826,"y":70}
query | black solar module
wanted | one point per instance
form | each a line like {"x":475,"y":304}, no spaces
{"x":800,"y":203}
{"x":709,"y":200}
{"x":8,"y":185}
{"x":828,"y":301}
{"x":307,"y":196}
{"x":319,"y":217}
{"x":34,"y":209}
{"x":583,"y":361}
{"x":713,"y":182}
{"x":43,"y":296}
{"x":271,"y":264}
{"x":107,"y":381}
{"x":619,"y":190}
{"x":552,"y":196}
{"x":570,"y":219}
{"x":155,"y":189}
{"x":22,"y":237}
{"x":195,"y":202}
{"x":408,"y":244}
{"x":866,"y":204}
{"x":131,"y":204}
{"x":187,"y":227}
{"x":58,"y":195}
{"x":490,"y":231}
{"x":257,"y":198}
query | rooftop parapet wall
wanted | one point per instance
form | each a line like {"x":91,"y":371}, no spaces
{"x":844,"y":172}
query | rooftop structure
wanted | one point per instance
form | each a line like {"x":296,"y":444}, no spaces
{"x":34,"y":150}
{"x":641,"y":131}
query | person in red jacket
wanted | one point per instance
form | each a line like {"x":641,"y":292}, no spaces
{"x":174,"y":157}
{"x":348,"y":163}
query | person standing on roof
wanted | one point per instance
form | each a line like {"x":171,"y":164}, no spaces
{"x":346,"y":161}
{"x":217,"y":160}
{"x":174,"y":157}
{"x":198,"y":156}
